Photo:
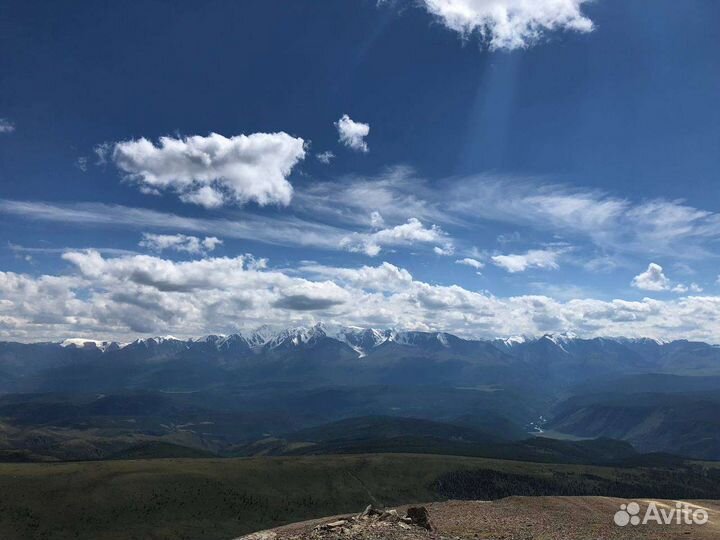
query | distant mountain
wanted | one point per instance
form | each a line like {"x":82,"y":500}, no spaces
{"x":233,"y":389}
{"x":326,"y":354}
{"x":684,"y":423}
{"x":561,"y":355}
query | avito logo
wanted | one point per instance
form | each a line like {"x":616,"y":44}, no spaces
{"x":682,"y":514}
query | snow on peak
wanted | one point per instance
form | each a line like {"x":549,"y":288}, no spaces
{"x":360,"y":339}
{"x":260,"y":336}
{"x":357,"y":338}
{"x":514,"y":340}
{"x":296,"y":336}
{"x":81,"y":343}
{"x":656,"y":341}
{"x":210,"y":338}
{"x":561,"y":338}
{"x":157,"y":340}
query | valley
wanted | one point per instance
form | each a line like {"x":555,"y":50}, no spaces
{"x":260,"y":393}
{"x":221,"y":436}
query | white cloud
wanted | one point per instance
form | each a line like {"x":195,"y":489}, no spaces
{"x":376,"y":220}
{"x":473,"y":263}
{"x":335,"y":215}
{"x":214,"y":169}
{"x":352,"y":134}
{"x":652,"y":279}
{"x":445,"y":250}
{"x":206,"y":196}
{"x":102,"y":152}
{"x":652,"y":227}
{"x":60,"y":250}
{"x":618,"y":227}
{"x":278,"y":230}
{"x":410,"y":232}
{"x":681,"y":288}
{"x":325,"y":157}
{"x":396,"y":194}
{"x":407,"y":234}
{"x":6,"y":126}
{"x":510,"y":24}
{"x":144,"y":291}
{"x":385,"y":277}
{"x":120,"y":297}
{"x":179,"y":242}
{"x":535,"y":258}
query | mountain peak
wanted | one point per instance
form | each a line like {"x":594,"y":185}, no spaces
{"x":360,"y":339}
{"x":82,"y":343}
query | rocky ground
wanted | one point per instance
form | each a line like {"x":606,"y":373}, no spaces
{"x":513,"y":518}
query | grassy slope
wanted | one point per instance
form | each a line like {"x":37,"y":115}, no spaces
{"x":222,"y":498}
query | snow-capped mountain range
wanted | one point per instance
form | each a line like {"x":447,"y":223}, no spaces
{"x":264,"y":337}
{"x":361,"y":340}
{"x":330,"y":355}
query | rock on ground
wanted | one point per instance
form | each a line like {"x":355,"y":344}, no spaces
{"x":513,"y":518}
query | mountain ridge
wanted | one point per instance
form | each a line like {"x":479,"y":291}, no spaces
{"x":360,"y":339}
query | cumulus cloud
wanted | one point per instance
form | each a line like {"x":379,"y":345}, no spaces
{"x":652,"y":279}
{"x":510,"y":24}
{"x":385,"y":277}
{"x":206,"y":196}
{"x":535,"y":258}
{"x":6,"y":126}
{"x":407,"y":234}
{"x":214,"y":170}
{"x":352,"y":134}
{"x":164,"y":274}
{"x":169,"y":291}
{"x":311,"y":297}
{"x":119,"y":297}
{"x":412,"y":231}
{"x":179,"y":242}
{"x":681,"y":288}
{"x":473,"y":263}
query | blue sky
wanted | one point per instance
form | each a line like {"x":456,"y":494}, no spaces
{"x":505,"y":167}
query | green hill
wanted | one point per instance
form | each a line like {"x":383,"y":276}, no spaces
{"x":223,"y":498}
